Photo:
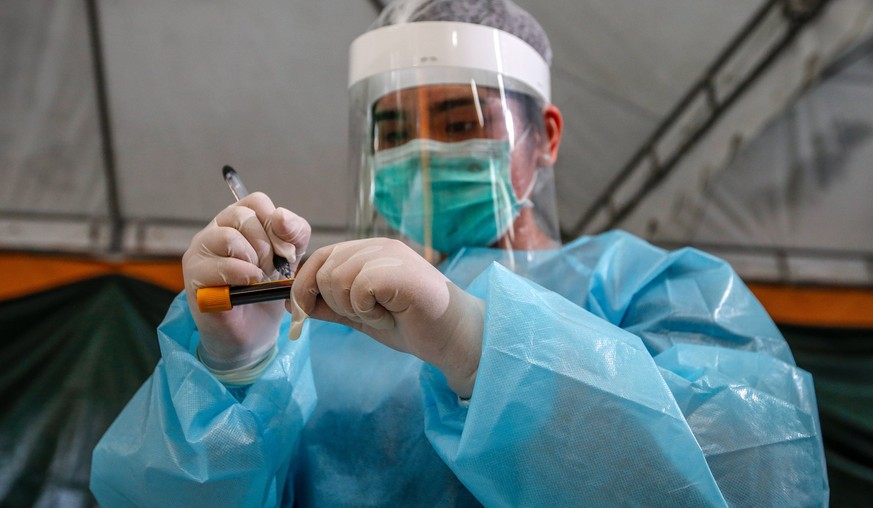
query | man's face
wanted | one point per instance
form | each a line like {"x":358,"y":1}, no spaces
{"x":454,"y":113}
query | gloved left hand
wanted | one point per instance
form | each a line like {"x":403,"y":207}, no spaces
{"x":386,"y":290}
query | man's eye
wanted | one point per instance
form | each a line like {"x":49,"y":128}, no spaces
{"x":461,"y":127}
{"x":395,"y":137}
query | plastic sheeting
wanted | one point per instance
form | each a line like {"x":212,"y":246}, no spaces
{"x":49,"y":142}
{"x":57,"y":366}
{"x":190,"y":87}
{"x":262,"y":86}
{"x":793,"y":205}
{"x":656,"y":374}
{"x":70,"y":359}
{"x":53,"y":190}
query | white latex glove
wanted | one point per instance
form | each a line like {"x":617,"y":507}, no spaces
{"x":386,"y":290}
{"x":237,"y":248}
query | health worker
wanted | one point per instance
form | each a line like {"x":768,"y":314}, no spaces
{"x":455,"y":353}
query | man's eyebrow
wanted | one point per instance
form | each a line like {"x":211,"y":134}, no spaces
{"x":387,"y":115}
{"x":443,"y":106}
{"x":440,"y":107}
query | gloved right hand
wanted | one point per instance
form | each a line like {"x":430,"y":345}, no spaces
{"x":388,"y":291}
{"x":237,"y":248}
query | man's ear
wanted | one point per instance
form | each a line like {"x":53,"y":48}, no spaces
{"x":554,"y":123}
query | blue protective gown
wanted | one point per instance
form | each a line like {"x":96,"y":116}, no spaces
{"x":612,"y":373}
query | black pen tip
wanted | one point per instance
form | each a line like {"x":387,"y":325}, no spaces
{"x":227,"y":170}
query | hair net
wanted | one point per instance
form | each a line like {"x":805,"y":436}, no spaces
{"x":500,"y":14}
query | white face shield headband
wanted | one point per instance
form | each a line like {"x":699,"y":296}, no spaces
{"x":453,"y":50}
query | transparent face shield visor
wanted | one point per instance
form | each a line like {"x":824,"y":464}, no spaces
{"x":448,"y":158}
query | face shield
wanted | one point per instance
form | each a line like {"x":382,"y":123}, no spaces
{"x":448,"y":139}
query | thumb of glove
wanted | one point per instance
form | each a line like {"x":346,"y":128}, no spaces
{"x":298,"y":317}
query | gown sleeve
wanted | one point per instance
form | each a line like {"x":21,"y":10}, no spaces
{"x":185,"y":440}
{"x":669,"y":386}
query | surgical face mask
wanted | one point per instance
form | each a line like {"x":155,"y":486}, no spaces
{"x":447,"y":195}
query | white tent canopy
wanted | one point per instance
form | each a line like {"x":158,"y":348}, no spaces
{"x":794,"y":204}
{"x":117,"y":117}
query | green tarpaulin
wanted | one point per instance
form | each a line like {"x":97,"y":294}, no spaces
{"x":841,"y":363}
{"x":71,"y":359}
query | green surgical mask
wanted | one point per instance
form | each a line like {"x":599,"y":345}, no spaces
{"x":470,"y":202}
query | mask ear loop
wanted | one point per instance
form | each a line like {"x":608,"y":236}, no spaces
{"x":524,"y":199}
{"x":543,"y":162}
